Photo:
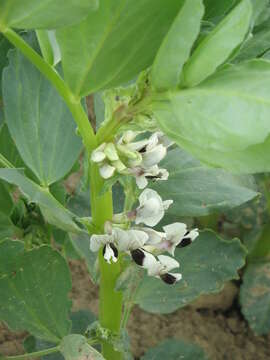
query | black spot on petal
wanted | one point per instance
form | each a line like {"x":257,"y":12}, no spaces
{"x":168,"y":279}
{"x":114,"y":249}
{"x":185,"y":242}
{"x":138,"y":256}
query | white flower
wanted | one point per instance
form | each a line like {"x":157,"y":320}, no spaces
{"x":106,"y":242}
{"x":151,"y":209}
{"x":128,"y":240}
{"x":174,"y":235}
{"x":162,"y":267}
{"x":143,"y":175}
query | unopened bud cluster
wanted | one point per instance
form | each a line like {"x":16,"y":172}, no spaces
{"x":141,"y":242}
{"x":136,"y":158}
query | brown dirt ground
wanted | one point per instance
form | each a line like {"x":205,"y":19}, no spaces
{"x":213,"y":322}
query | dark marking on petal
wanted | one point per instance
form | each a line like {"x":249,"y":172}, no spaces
{"x":114,"y":249}
{"x":142,"y":150}
{"x":185,"y":242}
{"x":138,"y":256}
{"x":168,"y":279}
{"x":104,"y":250}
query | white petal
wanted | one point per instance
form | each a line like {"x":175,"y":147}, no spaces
{"x":163,"y":174}
{"x":110,"y":152}
{"x":138,"y":145}
{"x":109,"y":255}
{"x":141,"y":181}
{"x":121,"y":239}
{"x":192,"y":234}
{"x":151,"y":264}
{"x":137,"y":238}
{"x":97,"y":241}
{"x":148,"y":194}
{"x":128,"y":136}
{"x":98,"y":154}
{"x":177,"y":276}
{"x":129,"y":239}
{"x":167,"y":204}
{"x":155,"y":237}
{"x":175,"y":230}
{"x":168,"y":263}
{"x":154,"y":156}
{"x":153,"y":141}
{"x":106,"y":171}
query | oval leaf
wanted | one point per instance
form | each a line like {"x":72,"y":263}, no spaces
{"x":215,"y":49}
{"x":228,"y":112}
{"x":175,"y":350}
{"x":75,"y":347}
{"x":34,"y":290}
{"x":198,"y":190}
{"x":49,"y":14}
{"x":115,"y":43}
{"x":176,"y":46}
{"x":206,"y":265}
{"x":39,"y":121}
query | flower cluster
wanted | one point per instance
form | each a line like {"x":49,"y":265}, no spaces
{"x":145,"y":245}
{"x":130,"y":157}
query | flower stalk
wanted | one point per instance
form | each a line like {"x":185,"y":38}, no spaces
{"x":110,"y":307}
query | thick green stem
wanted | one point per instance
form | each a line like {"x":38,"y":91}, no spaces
{"x":110,"y":306}
{"x":50,"y":73}
{"x":35,"y":354}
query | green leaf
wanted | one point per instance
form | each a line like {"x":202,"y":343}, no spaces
{"x":111,"y":46}
{"x":255,"y":297}
{"x":260,"y":8}
{"x":6,"y":202}
{"x":48,"y":46}
{"x":175,"y":350}
{"x":8,"y":148}
{"x":215,"y":9}
{"x":228,"y":112}
{"x":256,"y":45}
{"x":50,"y":14}
{"x":51,"y":209}
{"x":206,"y":265}
{"x":10,"y":250}
{"x":216,"y":48}
{"x":176,"y":46}
{"x":253,"y":159}
{"x":7,"y":228}
{"x":80,"y":322}
{"x":34,"y":290}
{"x":198,"y":190}
{"x":75,"y":347}
{"x":39,"y":121}
{"x":5,"y":45}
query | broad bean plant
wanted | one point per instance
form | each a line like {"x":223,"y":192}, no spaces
{"x":164,"y":107}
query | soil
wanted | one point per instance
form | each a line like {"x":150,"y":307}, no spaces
{"x":213,"y":322}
